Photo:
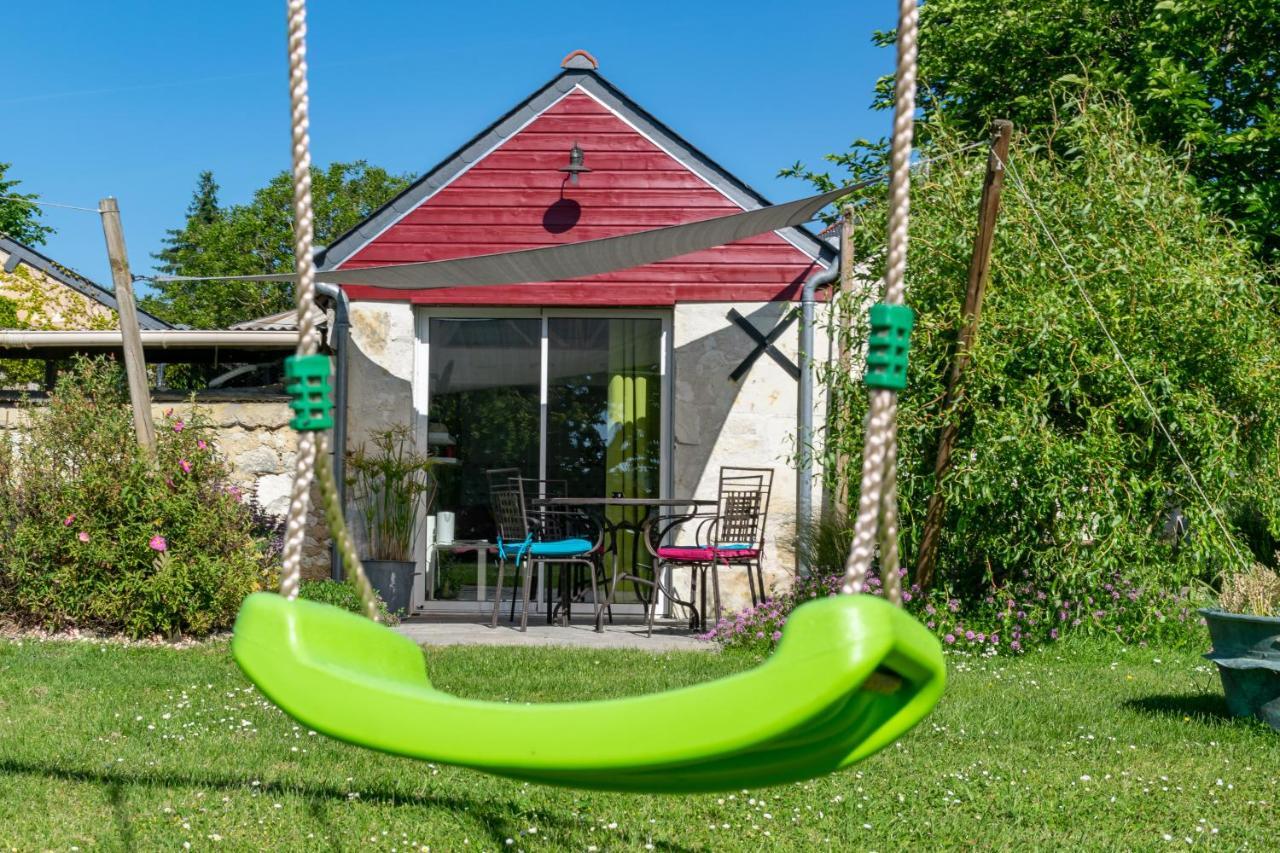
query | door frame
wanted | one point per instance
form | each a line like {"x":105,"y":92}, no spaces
{"x":421,"y":406}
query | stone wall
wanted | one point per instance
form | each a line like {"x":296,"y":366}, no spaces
{"x":750,"y":422}
{"x":260,"y":448}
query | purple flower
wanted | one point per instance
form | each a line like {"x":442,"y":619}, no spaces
{"x":969,"y":635}
{"x":1053,"y":633}
{"x":66,"y":522}
{"x":1015,"y":645}
{"x":950,"y":639}
{"x":157,"y":543}
{"x":980,"y":637}
{"x":179,"y":426}
{"x":777,"y":635}
{"x":200,"y":443}
{"x":995,"y":638}
{"x":185,"y":466}
{"x":83,"y":536}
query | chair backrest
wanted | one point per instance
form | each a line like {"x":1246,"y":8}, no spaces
{"x":743,"y":506}
{"x":550,"y":524}
{"x":506,"y":500}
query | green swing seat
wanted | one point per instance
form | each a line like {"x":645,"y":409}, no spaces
{"x":851,"y":674}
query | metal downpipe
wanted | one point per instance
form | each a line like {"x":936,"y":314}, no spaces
{"x":341,"y":339}
{"x":804,"y":419}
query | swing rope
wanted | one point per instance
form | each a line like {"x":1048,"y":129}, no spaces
{"x":878,"y":496}
{"x":877,"y":518}
{"x":313,"y":444}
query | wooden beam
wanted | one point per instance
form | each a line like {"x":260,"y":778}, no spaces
{"x":979,"y":273}
{"x":135,"y":365}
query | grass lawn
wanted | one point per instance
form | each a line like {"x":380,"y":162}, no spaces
{"x":1085,"y":745}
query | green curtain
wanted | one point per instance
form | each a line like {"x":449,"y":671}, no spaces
{"x":633,"y":423}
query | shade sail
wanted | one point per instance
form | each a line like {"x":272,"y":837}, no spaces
{"x":573,"y":260}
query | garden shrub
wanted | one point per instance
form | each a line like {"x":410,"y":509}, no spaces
{"x":342,"y":594}
{"x":1009,"y":618}
{"x":1061,"y":479}
{"x":93,"y":534}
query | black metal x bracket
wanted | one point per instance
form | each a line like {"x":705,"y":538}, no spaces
{"x":764,"y":344}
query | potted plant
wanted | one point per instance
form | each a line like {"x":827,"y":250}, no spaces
{"x":1246,"y":643}
{"x":392,"y":488}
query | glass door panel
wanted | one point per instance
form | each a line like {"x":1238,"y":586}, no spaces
{"x":484,"y":396}
{"x":604,"y":391}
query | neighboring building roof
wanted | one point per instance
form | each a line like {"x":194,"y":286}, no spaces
{"x":22,"y":254}
{"x":285,"y":321}
{"x":578,"y":102}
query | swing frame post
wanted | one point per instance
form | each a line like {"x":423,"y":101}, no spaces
{"x":979,"y":273}
{"x":135,"y":363}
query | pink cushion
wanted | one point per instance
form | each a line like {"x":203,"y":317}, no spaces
{"x":693,"y":554}
{"x":681,"y":552}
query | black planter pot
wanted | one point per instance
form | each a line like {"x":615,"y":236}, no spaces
{"x":1247,"y":652}
{"x":393,"y":579}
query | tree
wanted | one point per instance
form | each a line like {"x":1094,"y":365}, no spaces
{"x":1203,"y":78}
{"x":17,"y":217}
{"x":257,"y":238}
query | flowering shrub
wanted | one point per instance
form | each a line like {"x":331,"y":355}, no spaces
{"x":93,"y":534}
{"x":1008,"y":619}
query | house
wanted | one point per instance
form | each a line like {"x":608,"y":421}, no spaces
{"x":641,"y":382}
{"x":46,"y":295}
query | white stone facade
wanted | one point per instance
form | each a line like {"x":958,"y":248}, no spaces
{"x":715,"y":420}
{"x":750,"y":422}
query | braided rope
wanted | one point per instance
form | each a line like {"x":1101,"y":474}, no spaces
{"x":878,"y":499}
{"x":304,"y":263}
{"x":314,"y":463}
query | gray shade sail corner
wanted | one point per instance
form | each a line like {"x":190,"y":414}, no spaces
{"x":574,"y":260}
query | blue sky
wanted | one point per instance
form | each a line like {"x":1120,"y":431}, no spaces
{"x":134,"y":99}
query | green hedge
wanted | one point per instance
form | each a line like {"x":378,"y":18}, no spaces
{"x":1061,"y":476}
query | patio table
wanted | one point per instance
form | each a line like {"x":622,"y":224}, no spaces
{"x":613,"y":528}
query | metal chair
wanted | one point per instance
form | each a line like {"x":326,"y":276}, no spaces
{"x":541,"y":537}
{"x":731,"y":536}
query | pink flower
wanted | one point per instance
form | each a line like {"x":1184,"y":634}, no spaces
{"x":200,"y":443}
{"x":157,"y":543}
{"x":168,"y":413}
{"x":66,"y":522}
{"x":179,"y":426}
{"x":84,"y":536}
{"x":185,"y":466}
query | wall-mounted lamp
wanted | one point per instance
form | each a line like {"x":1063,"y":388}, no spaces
{"x":576,"y":166}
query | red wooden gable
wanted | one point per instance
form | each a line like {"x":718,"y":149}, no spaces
{"x":515,"y":197}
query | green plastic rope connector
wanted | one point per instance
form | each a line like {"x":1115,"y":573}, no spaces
{"x":312,"y":401}
{"x":888,"y":346}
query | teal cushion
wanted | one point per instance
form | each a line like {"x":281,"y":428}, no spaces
{"x":736,"y":546}
{"x":561,"y":548}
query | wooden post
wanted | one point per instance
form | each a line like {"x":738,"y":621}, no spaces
{"x":135,"y":364}
{"x":979,"y":272}
{"x":841,"y":412}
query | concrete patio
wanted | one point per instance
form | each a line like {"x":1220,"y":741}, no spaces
{"x":445,"y":631}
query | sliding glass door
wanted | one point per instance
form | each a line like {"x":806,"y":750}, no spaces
{"x":604,"y":417}
{"x":577,"y":399}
